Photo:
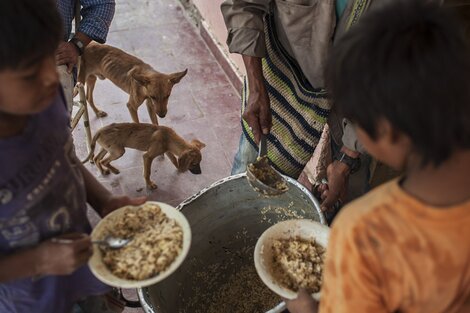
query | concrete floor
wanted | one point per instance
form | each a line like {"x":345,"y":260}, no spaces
{"x":204,"y":105}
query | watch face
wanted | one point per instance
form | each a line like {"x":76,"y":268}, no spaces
{"x":79,"y":43}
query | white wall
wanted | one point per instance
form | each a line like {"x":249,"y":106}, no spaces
{"x":210,"y":11}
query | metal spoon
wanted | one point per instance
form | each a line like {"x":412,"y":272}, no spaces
{"x":272,"y":184}
{"x":113,"y":242}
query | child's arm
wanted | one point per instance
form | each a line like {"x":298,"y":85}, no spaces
{"x":48,"y":258}
{"x":101,"y":199}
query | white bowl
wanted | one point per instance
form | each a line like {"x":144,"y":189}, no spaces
{"x":100,"y":270}
{"x":302,"y":228}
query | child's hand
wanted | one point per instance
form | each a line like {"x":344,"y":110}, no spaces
{"x":303,"y":304}
{"x":64,"y":254}
{"x":116,"y":202}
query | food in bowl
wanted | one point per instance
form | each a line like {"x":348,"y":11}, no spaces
{"x":298,"y":263}
{"x":156,"y":242}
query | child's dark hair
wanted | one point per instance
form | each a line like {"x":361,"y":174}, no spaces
{"x":29,"y":30}
{"x":407,"y":62}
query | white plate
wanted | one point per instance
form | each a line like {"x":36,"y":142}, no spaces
{"x":302,"y":228}
{"x":100,"y":270}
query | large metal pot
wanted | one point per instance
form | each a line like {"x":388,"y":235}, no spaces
{"x":226,"y":220}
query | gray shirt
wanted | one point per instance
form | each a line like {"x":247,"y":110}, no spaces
{"x":305,"y":29}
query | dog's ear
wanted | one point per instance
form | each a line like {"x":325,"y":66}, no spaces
{"x":176,"y":77}
{"x":184,"y":161}
{"x":198,"y":144}
{"x":140,"y":77}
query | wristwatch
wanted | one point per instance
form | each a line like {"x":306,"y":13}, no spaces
{"x":353,"y":163}
{"x":78,"y":45}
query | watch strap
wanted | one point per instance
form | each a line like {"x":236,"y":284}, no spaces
{"x":78,"y":45}
{"x":353,"y":163}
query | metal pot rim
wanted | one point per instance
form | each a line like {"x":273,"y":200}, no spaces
{"x":140,"y":291}
{"x":233,"y":177}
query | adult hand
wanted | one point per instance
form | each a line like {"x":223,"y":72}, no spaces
{"x":116,"y":202}
{"x":338,"y":177}
{"x":258,"y":112}
{"x":336,"y":189}
{"x":67,"y":54}
{"x":258,"y":109}
{"x":64,"y":254}
{"x":303,"y":304}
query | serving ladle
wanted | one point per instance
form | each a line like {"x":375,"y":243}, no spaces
{"x":262,"y":177}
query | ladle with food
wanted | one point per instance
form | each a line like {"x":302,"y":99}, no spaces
{"x":262,"y":177}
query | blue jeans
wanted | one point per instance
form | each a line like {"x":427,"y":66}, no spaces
{"x":245,"y":155}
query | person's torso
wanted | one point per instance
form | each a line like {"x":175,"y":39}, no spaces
{"x":41,"y":186}
{"x":305,"y":28}
{"x":424,"y":252}
{"x":42,"y":195}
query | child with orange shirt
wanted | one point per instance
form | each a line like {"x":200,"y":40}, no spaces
{"x":402,"y":76}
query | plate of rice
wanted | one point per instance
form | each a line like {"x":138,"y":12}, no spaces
{"x":290,"y":256}
{"x":160,"y":240}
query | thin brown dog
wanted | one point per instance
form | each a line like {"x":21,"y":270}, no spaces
{"x":153,"y":139}
{"x":130,"y":74}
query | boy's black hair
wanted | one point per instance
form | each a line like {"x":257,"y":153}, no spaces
{"x":462,"y":8}
{"x":407,"y":62}
{"x":29,"y":31}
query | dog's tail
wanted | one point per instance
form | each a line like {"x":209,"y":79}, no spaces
{"x":92,"y":147}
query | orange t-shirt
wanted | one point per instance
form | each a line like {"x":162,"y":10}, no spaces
{"x":389,"y":252}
